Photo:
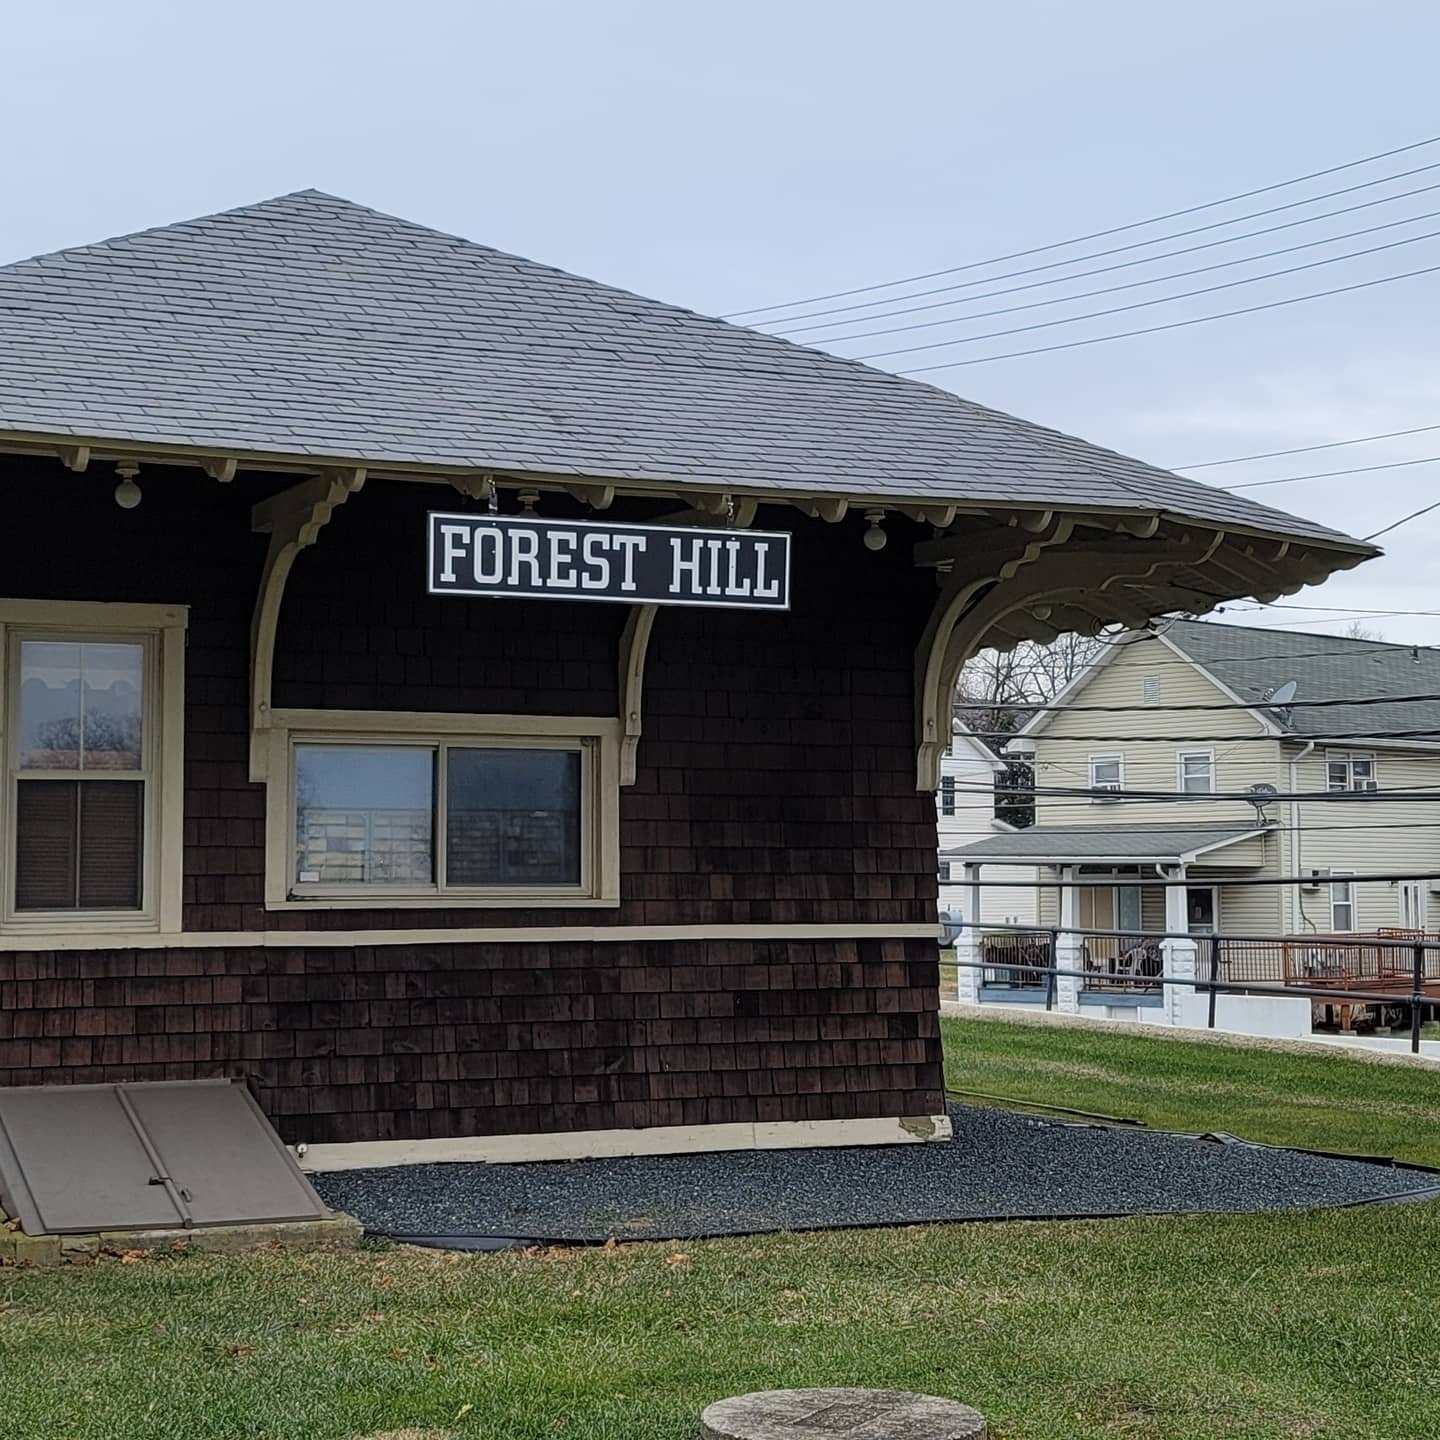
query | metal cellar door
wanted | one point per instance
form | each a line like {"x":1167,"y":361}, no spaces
{"x":82,"y":1158}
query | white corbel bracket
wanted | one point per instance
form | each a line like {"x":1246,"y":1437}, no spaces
{"x":634,"y":642}
{"x":293,"y":519}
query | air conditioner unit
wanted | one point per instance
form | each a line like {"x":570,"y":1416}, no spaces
{"x":1314,"y":879}
{"x":1107,"y":794}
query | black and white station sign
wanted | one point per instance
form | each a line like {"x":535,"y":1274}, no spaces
{"x":522,"y":555}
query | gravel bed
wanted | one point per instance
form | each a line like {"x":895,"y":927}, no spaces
{"x":998,"y":1165}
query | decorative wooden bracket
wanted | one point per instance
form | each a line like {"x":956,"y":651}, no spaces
{"x":597,"y":497}
{"x":634,"y":642}
{"x":221,"y":468}
{"x":937,"y":662}
{"x":293,"y":520}
{"x":75,"y":457}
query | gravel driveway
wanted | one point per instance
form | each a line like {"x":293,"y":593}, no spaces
{"x":997,"y":1165}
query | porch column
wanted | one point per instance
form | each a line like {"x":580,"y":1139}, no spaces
{"x":1067,"y":946}
{"x":967,"y":945}
{"x":1181,"y":1001}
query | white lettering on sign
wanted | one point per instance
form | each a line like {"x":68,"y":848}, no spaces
{"x":629,"y":544}
{"x":524,"y":555}
{"x":762,"y":590}
{"x":562,"y":559}
{"x":596,"y":574}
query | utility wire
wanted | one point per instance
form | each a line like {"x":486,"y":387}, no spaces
{"x":1172,"y":325}
{"x":1130,"y":264}
{"x":1341,"y":610}
{"x":1144,"y":304}
{"x":1307,"y":449}
{"x":1326,"y":703}
{"x":1400,"y":794}
{"x":1326,"y":474}
{"x":1403,"y":520}
{"x":1097,"y":234}
{"x":1126,"y":285}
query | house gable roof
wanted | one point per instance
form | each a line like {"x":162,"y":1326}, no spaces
{"x":1104,"y":844}
{"x":1251,"y":662}
{"x":310,"y":326}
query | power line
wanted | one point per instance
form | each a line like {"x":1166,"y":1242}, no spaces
{"x":792,"y":330}
{"x":1403,"y":520}
{"x":1328,"y":702}
{"x":1326,"y":474}
{"x":1095,"y":234}
{"x":1122,"y":250}
{"x":1335,"y":609}
{"x":1145,"y":304}
{"x":1171,"y":325}
{"x":1115,"y":289}
{"x":1396,"y":794}
{"x":1307,"y":449}
{"x":1428,"y":732}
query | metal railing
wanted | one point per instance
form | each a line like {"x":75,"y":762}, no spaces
{"x":1384,"y":969}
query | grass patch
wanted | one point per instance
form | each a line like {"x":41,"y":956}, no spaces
{"x":1322,"y":1325}
{"x":1324,"y":1101}
{"x":1316,"y":1326}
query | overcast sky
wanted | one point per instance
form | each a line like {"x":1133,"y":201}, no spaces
{"x":724,"y":156}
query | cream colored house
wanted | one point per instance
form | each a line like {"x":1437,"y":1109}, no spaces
{"x":1133,"y":787}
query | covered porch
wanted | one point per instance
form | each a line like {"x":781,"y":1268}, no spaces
{"x":1122,"y":906}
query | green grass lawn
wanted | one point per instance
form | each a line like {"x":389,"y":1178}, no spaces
{"x":1318,"y":1326}
{"x":1326,"y":1101}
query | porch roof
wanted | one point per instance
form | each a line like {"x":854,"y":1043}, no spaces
{"x":1104,"y":844}
{"x":309,"y":326}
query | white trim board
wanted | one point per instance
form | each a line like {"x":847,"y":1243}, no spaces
{"x":457,"y":935}
{"x":599,"y":1144}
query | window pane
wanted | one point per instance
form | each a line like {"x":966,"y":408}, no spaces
{"x":513,"y":817}
{"x":78,"y":846}
{"x":364,"y":815}
{"x":1337,"y":775}
{"x":80,"y":705}
{"x":1105,"y":772}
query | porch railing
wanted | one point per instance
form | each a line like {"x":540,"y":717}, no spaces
{"x":1016,"y":960}
{"x":1122,"y":963}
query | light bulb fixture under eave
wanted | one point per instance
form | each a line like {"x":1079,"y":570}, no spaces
{"x":127,"y":493}
{"x":874,"y":537}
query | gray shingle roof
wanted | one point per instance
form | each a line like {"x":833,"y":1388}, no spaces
{"x":1325,"y":667}
{"x":310,"y":326}
{"x":1073,"y":843}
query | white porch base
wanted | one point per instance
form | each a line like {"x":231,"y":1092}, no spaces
{"x":657,"y":1140}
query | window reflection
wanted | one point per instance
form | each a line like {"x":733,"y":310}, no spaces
{"x":364,"y":815}
{"x":80,"y":705}
{"x":512,"y":817}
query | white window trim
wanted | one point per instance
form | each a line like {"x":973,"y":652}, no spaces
{"x":1119,"y":785}
{"x":1348,"y":759}
{"x":1181,"y":757}
{"x":162,"y":628}
{"x":598,"y":736}
{"x":1345,"y":877}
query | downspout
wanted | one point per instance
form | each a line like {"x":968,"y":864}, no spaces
{"x":1297,"y":900}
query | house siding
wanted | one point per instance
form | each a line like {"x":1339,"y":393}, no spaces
{"x":1243,"y":753}
{"x":775,"y":784}
{"x":1400,"y":841}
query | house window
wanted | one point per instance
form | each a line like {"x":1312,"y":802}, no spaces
{"x":1196,"y":772}
{"x":1342,"y":904}
{"x":444,"y":810}
{"x":944,"y":872}
{"x":1107,"y":772}
{"x":93,"y":755}
{"x":947,"y":794}
{"x":1349,"y":770}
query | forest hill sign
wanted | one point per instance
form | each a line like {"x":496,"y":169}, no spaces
{"x":520,"y":555}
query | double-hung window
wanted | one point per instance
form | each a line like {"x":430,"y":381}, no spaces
{"x":93,"y":754}
{"x":1342,"y":902}
{"x":947,"y":794}
{"x":455,"y":810}
{"x":1195,"y":772}
{"x":1350,"y":770}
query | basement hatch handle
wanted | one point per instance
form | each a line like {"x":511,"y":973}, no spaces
{"x":179,"y":1197}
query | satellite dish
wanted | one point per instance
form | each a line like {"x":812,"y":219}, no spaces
{"x":1260,"y":795}
{"x":1282,"y":695}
